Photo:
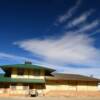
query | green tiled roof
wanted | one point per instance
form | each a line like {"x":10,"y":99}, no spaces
{"x":15,"y":80}
{"x":29,"y":66}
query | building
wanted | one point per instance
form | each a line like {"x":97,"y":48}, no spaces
{"x":24,"y":79}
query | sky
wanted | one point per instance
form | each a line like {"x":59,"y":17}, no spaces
{"x":59,"y":34}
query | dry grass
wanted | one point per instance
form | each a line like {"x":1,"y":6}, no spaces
{"x":50,"y":98}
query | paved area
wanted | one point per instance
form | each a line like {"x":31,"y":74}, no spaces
{"x":50,"y":98}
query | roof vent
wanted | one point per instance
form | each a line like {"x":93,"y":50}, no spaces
{"x":28,"y":62}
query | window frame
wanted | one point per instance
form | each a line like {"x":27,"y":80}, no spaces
{"x":20,"y":72}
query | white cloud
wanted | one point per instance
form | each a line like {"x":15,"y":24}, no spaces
{"x":81,"y":19}
{"x":69,"y":14}
{"x":87,"y":27}
{"x":74,"y":47}
{"x":69,"y":49}
{"x":15,"y":57}
{"x":90,"y":26}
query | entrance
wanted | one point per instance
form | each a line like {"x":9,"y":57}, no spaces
{"x":36,"y":89}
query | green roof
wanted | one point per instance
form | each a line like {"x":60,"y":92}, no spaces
{"x":28,"y":66}
{"x":24,"y":80}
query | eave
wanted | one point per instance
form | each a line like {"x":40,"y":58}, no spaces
{"x":21,"y":80}
{"x":26,"y":66}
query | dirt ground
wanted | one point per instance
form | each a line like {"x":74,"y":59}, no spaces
{"x":50,"y":98}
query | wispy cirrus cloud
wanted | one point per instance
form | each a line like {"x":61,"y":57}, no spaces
{"x":12,"y":57}
{"x":90,"y":26}
{"x":81,"y":22}
{"x":81,"y":19}
{"x":68,"y":14}
{"x":21,"y":59}
{"x":87,"y":27}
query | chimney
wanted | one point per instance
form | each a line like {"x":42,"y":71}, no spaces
{"x":28,"y":62}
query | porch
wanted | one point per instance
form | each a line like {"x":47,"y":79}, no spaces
{"x":23,"y":89}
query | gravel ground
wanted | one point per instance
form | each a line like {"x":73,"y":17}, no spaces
{"x":50,"y":98}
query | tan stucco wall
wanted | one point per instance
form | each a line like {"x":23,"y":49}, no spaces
{"x":82,"y":86}
{"x":27,"y":74}
{"x":19,"y":89}
{"x":92,"y":86}
{"x":72,"y":86}
{"x":59,"y":86}
{"x":76,"y":86}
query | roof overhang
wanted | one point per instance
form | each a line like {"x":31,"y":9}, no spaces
{"x":22,"y":80}
{"x":26,"y":66}
{"x":73,"y":77}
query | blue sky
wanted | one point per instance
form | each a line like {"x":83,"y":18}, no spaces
{"x":61,"y":34}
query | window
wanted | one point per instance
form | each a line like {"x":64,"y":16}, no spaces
{"x":20,"y":72}
{"x":37,"y":72}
